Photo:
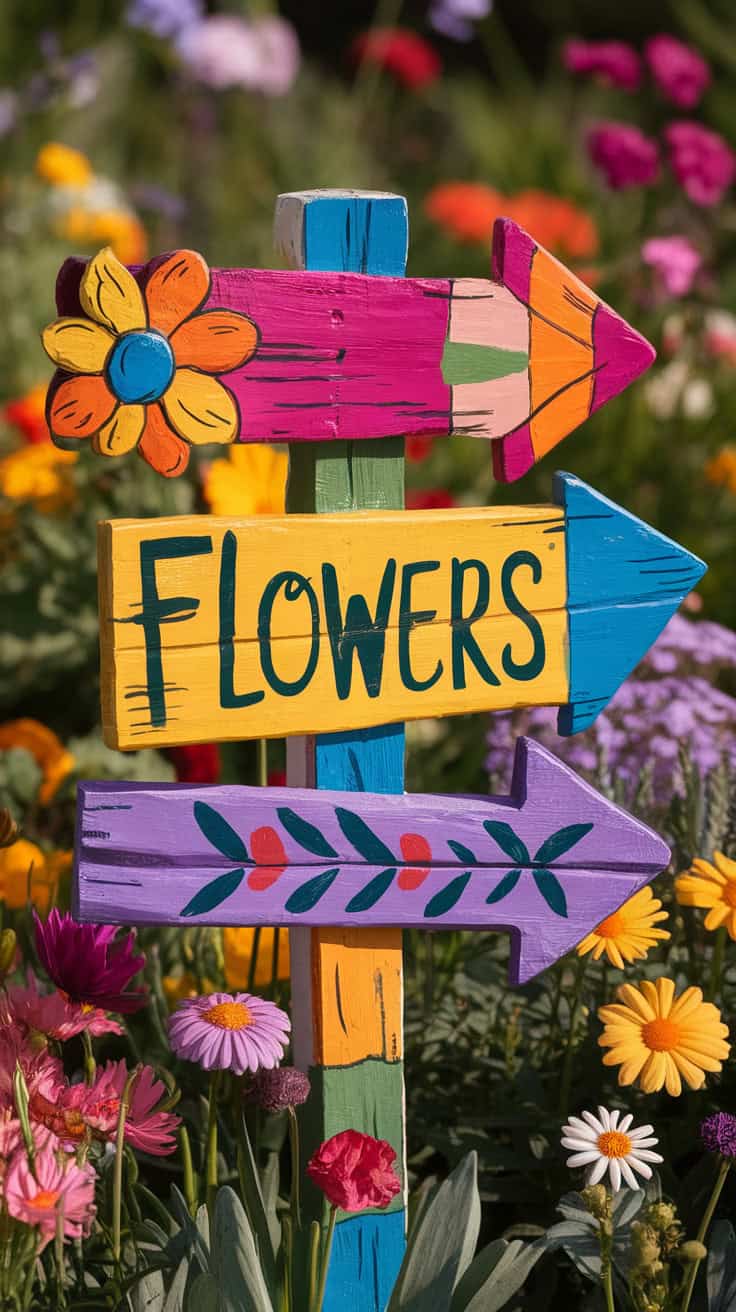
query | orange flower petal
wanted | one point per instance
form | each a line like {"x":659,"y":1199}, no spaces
{"x":80,"y":406}
{"x":176,"y":289}
{"x":216,"y":341}
{"x":160,"y":446}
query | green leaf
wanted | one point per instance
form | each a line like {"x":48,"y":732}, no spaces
{"x":216,"y":891}
{"x":307,"y":836}
{"x":148,"y":1294}
{"x":255,"y":1206}
{"x":308,"y":894}
{"x":495,"y":1276}
{"x":175,"y":1296}
{"x":561,"y":841}
{"x":363,"y":839}
{"x":552,"y":891}
{"x":203,"y":1294}
{"x":441,"y":1243}
{"x":447,"y":896}
{"x":235,"y":1261}
{"x":504,"y":886}
{"x":463,"y":854}
{"x":219,"y":833}
{"x":508,"y":841}
{"x":372,"y":892}
{"x":721,"y":1270}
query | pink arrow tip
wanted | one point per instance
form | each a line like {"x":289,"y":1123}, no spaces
{"x":621,"y":354}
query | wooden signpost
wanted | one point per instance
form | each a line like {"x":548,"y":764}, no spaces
{"x":349,"y":616}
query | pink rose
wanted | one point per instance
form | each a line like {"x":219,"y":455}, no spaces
{"x":355,"y":1171}
{"x":675,"y":260}
{"x":702,"y":161}
{"x":612,"y":61}
{"x":681,"y":74}
{"x":623,"y":154}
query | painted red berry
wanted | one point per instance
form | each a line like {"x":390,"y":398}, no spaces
{"x":416,"y":849}
{"x":269,"y":856}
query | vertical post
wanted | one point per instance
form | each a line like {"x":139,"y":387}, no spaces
{"x":347,"y":985}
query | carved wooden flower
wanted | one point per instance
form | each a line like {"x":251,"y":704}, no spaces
{"x":143,"y":363}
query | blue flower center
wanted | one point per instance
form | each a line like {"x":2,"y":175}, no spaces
{"x":140,"y":367}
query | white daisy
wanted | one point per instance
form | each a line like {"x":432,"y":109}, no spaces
{"x":603,"y":1143}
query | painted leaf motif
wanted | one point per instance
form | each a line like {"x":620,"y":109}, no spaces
{"x":508,"y":841}
{"x":462,"y":853}
{"x":219,"y":833}
{"x":552,"y":891}
{"x":504,"y":886}
{"x":363,"y":839}
{"x":561,"y":841}
{"x":373,"y":891}
{"x":216,"y":891}
{"x":305,"y":834}
{"x":447,"y":896}
{"x":308,"y":894}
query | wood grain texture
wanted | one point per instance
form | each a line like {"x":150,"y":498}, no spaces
{"x":350,"y":232}
{"x":521,"y":359}
{"x":547,"y":863}
{"x":268,"y":626}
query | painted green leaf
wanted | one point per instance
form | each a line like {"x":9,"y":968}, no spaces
{"x":561,"y":841}
{"x":508,"y":841}
{"x":447,"y":896}
{"x":213,"y":893}
{"x":373,"y":891}
{"x":462,"y":853}
{"x":552,"y":891}
{"x":307,"y":895}
{"x":219,"y":833}
{"x":363,"y":839}
{"x":504,"y":886}
{"x":306,"y":835}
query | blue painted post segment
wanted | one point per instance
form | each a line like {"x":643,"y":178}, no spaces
{"x":613,"y":557}
{"x":357,"y":233}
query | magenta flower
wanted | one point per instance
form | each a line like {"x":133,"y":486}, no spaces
{"x":718,"y":1133}
{"x":53,"y":1014}
{"x":613,"y":62}
{"x":70,"y":1110}
{"x":702,"y":161}
{"x":53,"y":1187}
{"x":623,"y":154}
{"x":681,"y":74}
{"x":88,"y":964}
{"x":226,"y":51}
{"x":229,"y":1032}
{"x":675,"y":260}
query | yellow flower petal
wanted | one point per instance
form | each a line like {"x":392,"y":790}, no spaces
{"x":725,"y":865}
{"x":687,"y":1002}
{"x":665,"y":994}
{"x":716,"y":916}
{"x":653,"y":1072}
{"x":79,"y":345}
{"x":122,"y":432}
{"x":111,"y":295}
{"x":631,"y":997}
{"x":200,"y":409}
{"x":672,"y":1081}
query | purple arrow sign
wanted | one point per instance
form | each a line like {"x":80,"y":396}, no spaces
{"x":547,"y":863}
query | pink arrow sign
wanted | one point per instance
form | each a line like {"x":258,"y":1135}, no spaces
{"x":522,"y":359}
{"x":547,"y":863}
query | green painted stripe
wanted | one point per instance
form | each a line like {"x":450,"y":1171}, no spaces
{"x":467,"y":362}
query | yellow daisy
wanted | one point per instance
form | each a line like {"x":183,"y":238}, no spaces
{"x":250,"y":480}
{"x":659,"y":1039}
{"x":713,"y":886}
{"x":629,"y":933}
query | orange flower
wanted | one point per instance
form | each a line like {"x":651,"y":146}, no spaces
{"x":46,"y":749}
{"x":28,"y":414}
{"x":721,"y":470}
{"x":144,"y":363}
{"x":467,"y":211}
{"x":29,"y":875}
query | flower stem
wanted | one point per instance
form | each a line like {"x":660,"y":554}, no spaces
{"x":567,"y":1062}
{"x":263,"y":762}
{"x":314,"y":1239}
{"x":325,"y":1260}
{"x":607,"y":1281}
{"x":295,"y":1169}
{"x":716,"y":965}
{"x":211,"y":1174}
{"x":117,"y":1179}
{"x":90,"y":1065}
{"x":703,"y":1229}
{"x":190,"y":1192}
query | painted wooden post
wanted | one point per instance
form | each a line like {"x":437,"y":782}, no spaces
{"x":347,"y":984}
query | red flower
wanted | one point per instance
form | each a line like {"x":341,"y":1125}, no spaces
{"x":438,"y":498}
{"x":404,"y":54}
{"x":414,"y":848}
{"x":198,"y":764}
{"x":270,"y":857}
{"x":355,"y":1171}
{"x":417,"y":446}
{"x":277,"y":778}
{"x":28,"y":414}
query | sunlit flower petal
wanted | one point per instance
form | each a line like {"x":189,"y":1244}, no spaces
{"x":683,"y":1040}
{"x":121,"y":433}
{"x":160,"y":447}
{"x":176,"y":289}
{"x":80,"y":406}
{"x":200,"y":409}
{"x":216,"y":341}
{"x":610,"y":1149}
{"x":111,"y":295}
{"x":79,"y":345}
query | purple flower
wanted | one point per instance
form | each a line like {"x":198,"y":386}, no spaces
{"x":702,"y":161}
{"x":224,"y":51}
{"x":164,"y":18}
{"x":681,"y":74}
{"x":623,"y":154}
{"x":277,"y":1089}
{"x":675,"y":260}
{"x":88,"y":963}
{"x":718,"y":1133}
{"x":611,"y":61}
{"x":455,"y":18}
{"x":231,"y":1032}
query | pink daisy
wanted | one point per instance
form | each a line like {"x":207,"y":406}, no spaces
{"x":58,"y":1186}
{"x":232,"y":1032}
{"x":55,"y":1015}
{"x":70,"y":1111}
{"x":38,"y":1066}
